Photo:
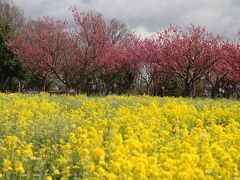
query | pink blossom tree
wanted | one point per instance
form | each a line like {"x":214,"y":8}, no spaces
{"x":45,"y":47}
{"x":189,"y":54}
{"x":72,"y":55}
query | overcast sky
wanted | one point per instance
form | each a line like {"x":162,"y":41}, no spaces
{"x":146,"y":16}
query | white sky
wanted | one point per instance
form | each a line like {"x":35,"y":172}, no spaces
{"x":146,"y":16}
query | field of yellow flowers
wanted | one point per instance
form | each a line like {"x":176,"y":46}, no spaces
{"x":118,"y":137}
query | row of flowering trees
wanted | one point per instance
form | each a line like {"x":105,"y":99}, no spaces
{"x":96,"y":54}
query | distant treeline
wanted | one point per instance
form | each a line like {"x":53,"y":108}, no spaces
{"x":99,"y":56}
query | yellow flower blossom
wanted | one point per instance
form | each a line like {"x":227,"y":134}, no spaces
{"x":98,"y":153}
{"x":7,"y":165}
{"x":19,"y":167}
{"x":118,"y":137}
{"x":56,"y":172}
{"x":48,"y":178}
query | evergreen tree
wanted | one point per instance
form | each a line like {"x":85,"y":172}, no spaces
{"x":11,"y":70}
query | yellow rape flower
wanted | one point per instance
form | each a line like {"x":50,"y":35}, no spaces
{"x":7,"y":165}
{"x":98,"y":153}
{"x":19,"y":167}
{"x":48,"y":178}
{"x":56,"y":172}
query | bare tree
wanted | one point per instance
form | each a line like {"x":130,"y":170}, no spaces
{"x":11,"y":15}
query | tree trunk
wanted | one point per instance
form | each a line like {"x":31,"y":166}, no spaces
{"x":187,"y":89}
{"x":213,"y":91}
{"x":19,"y":87}
{"x":148,"y":90}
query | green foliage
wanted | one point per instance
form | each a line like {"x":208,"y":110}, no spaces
{"x":10,"y":68}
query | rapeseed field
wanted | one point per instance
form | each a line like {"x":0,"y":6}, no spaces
{"x":118,"y":137}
